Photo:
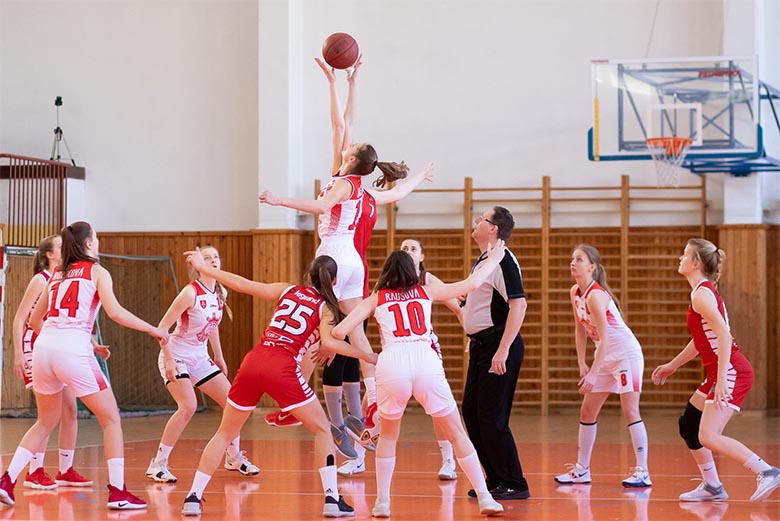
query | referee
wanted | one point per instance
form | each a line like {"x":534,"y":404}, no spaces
{"x":492,"y":316}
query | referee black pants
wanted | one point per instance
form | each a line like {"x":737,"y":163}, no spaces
{"x":487,"y":404}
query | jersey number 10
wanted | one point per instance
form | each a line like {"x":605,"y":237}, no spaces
{"x":413,"y":321}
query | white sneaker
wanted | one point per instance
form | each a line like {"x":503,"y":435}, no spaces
{"x":352,"y":467}
{"x":638,"y":478}
{"x":447,"y":470}
{"x":766,"y":482}
{"x":159,"y":472}
{"x":705,"y":492}
{"x":489,"y":506}
{"x":576,"y":474}
{"x":381,"y":508}
{"x":241,"y":464}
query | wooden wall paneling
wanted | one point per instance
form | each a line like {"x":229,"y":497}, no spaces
{"x":773,"y":318}
{"x":744,"y":289}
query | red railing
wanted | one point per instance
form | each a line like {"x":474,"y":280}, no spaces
{"x":37,"y":197}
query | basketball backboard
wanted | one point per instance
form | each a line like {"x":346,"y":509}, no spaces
{"x":712,"y":100}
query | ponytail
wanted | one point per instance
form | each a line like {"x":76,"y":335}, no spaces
{"x":711,"y":258}
{"x":74,"y":237}
{"x":40,"y":260}
{"x":321,"y":273}
{"x":599,"y":274}
{"x":367,"y":162}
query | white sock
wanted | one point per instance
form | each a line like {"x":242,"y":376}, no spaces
{"x":755,"y":464}
{"x":638,"y":434}
{"x":116,"y":472}
{"x":329,"y":480}
{"x":361,"y":454}
{"x":709,"y":473}
{"x":163,"y":453}
{"x":234,"y":449}
{"x":66,"y":459}
{"x":446,"y":450}
{"x":470,"y":465}
{"x":199,"y":484}
{"x":370,"y":384}
{"x":384,"y":475}
{"x":37,"y":461}
{"x":20,"y":460}
{"x":585,"y":441}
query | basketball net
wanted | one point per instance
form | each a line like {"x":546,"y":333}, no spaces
{"x":668,"y":155}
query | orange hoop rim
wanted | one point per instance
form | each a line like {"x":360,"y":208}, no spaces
{"x":667,"y":141}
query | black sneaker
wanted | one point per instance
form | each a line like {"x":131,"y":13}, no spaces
{"x":473,"y":493}
{"x":191,"y":506}
{"x":338,"y":508}
{"x":502,"y":493}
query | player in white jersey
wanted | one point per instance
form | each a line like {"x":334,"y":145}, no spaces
{"x":64,"y":355}
{"x":408,"y":366}
{"x":617,"y":366}
{"x":415,"y":250}
{"x":338,"y":207}
{"x":185,"y":364}
{"x":45,"y":260}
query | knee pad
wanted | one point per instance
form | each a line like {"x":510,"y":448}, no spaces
{"x":689,"y":426}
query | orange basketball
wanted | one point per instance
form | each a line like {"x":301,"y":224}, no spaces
{"x":340,"y":51}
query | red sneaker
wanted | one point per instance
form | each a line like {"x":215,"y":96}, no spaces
{"x":123,"y":500}
{"x":71,"y":478}
{"x":370,"y":434}
{"x":39,"y":480}
{"x":7,"y":489}
{"x":282,"y":419}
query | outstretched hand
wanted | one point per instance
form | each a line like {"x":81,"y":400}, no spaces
{"x":427,"y":172}
{"x":352,"y":72}
{"x":330,"y":72}
{"x":195,"y":259}
{"x":661,"y":373}
{"x":496,"y":251}
{"x":269,"y":198}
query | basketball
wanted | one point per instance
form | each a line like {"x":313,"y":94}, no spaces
{"x":340,"y":51}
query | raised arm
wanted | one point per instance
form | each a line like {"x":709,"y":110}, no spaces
{"x":401,"y":190}
{"x":336,"y":117}
{"x":452,"y":304}
{"x":34,"y":289}
{"x":339,"y":193}
{"x":441,"y":291}
{"x":236,"y":282}
{"x":350,"y":112}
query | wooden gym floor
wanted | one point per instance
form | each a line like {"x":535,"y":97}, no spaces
{"x":288,"y":485}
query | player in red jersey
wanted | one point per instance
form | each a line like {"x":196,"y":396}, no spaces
{"x":344,"y":225}
{"x":407,"y":366}
{"x":304,"y":315}
{"x":64,"y":355}
{"x":185,"y":364}
{"x":617,"y":366}
{"x":45,"y":261}
{"x":729,"y":377}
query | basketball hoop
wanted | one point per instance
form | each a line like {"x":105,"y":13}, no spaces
{"x":668,"y":155}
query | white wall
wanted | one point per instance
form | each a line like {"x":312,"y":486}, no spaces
{"x":182,"y":110}
{"x":160,"y":105}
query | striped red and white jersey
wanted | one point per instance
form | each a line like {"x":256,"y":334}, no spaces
{"x":623,"y":345}
{"x":704,"y":338}
{"x":196,"y":323}
{"x":403,"y":317}
{"x":296,"y":320}
{"x":46,"y":276}
{"x":363,"y":232}
{"x":341,"y":220}
{"x":73,"y":298}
